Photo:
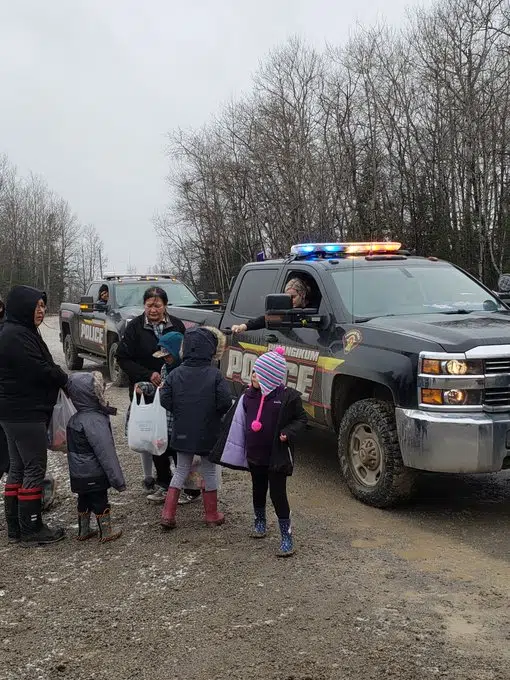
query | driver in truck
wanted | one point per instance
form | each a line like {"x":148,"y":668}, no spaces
{"x":103,"y":297}
{"x":299,"y":291}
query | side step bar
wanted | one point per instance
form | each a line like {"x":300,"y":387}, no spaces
{"x":92,"y":357}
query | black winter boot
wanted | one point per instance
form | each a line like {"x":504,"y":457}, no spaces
{"x":84,"y":530}
{"x":11,"y":512}
{"x":33,"y":531}
{"x":106,"y":531}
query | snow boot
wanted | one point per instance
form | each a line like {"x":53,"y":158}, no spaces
{"x":213,"y":518}
{"x":170,"y":508}
{"x":84,"y":530}
{"x":259,"y":525}
{"x":106,"y":531}
{"x":287,"y":542}
{"x":11,"y":512}
{"x":33,"y":530}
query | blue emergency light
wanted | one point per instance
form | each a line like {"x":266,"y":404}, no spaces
{"x":365,"y":248}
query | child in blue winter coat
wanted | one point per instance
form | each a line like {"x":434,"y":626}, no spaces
{"x":198,"y":396}
{"x":259,"y":436}
{"x":93,"y":463}
{"x":169,"y":349}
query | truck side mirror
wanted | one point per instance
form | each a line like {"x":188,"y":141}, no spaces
{"x":281,"y":314}
{"x":87,"y":304}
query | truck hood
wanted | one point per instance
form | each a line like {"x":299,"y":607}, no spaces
{"x":130,"y":312}
{"x":454,"y":333}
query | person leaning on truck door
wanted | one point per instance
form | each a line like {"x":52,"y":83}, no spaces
{"x":29,"y":386}
{"x":136,"y":358}
{"x":102,"y":298}
{"x":299,"y":291}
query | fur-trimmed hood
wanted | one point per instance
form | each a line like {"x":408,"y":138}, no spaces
{"x":87,"y":392}
{"x":202,"y":345}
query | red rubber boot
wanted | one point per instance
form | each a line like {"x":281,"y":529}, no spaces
{"x":170,"y":508}
{"x":213,"y":518}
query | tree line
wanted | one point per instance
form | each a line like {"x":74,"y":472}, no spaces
{"x":396,"y":134}
{"x":42,"y":244}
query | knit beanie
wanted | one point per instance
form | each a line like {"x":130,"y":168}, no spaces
{"x":270,"y":369}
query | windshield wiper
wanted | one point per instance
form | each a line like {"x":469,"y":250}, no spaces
{"x":458,"y":311}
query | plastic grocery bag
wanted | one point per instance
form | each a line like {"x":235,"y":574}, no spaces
{"x":147,"y":427}
{"x":62,"y":414}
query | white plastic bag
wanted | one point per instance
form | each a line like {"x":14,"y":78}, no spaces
{"x":62,"y":413}
{"x":147,"y":428}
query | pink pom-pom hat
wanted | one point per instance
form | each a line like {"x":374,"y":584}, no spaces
{"x":271,"y":370}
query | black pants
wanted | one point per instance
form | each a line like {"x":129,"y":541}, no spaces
{"x":94,"y":501}
{"x":262,"y":478}
{"x":28,"y":454}
{"x":4,"y":453}
{"x":163,"y":470}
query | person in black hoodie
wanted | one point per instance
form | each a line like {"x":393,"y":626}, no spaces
{"x":4,"y":449}
{"x":198,"y":396}
{"x":29,"y":385}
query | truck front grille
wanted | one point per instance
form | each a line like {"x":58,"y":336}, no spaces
{"x":497,"y":396}
{"x":501,"y":365}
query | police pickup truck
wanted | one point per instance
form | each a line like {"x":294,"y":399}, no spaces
{"x":93,"y":328}
{"x":406,"y":358}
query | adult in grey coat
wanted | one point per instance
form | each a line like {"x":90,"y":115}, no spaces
{"x":93,"y":463}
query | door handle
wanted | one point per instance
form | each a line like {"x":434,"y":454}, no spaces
{"x":272,"y":338}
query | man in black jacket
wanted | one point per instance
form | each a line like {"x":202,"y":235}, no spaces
{"x":29,"y":385}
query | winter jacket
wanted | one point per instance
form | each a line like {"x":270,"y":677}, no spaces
{"x":230,"y":449}
{"x":196,"y":393}
{"x":29,"y":378}
{"x":93,"y":461}
{"x":256,"y":324}
{"x":136,"y":349}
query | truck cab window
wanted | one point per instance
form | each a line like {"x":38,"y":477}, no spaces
{"x":250,"y":301}
{"x":314,"y":296}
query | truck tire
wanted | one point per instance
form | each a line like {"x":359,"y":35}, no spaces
{"x":73,"y":361}
{"x":117,"y":375}
{"x":369,"y":454}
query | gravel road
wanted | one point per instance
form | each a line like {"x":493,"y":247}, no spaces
{"x":418,"y":593}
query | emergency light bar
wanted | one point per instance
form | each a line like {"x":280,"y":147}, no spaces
{"x":310,"y":249}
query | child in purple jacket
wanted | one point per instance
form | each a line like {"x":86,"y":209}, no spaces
{"x":260,"y":437}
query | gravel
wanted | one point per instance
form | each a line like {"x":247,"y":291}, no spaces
{"x":412,"y":594}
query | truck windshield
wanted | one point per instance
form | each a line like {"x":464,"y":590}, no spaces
{"x":131,"y":294}
{"x":373,"y":291}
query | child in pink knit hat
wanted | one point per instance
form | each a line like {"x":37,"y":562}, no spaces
{"x":264,"y":427}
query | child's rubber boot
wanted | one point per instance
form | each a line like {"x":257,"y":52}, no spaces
{"x":84,"y":530}
{"x":287,"y":542}
{"x":11,"y":512}
{"x":259,"y":524}
{"x":106,"y":530}
{"x":213,"y":518}
{"x":170,"y":508}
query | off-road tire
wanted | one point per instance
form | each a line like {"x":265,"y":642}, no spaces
{"x":396,"y":482}
{"x":117,"y":375}
{"x":73,"y":361}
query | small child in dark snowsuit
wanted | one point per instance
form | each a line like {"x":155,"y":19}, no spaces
{"x":264,"y":427}
{"x":93,"y":463}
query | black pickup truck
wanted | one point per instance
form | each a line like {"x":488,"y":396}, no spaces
{"x":92,"y":329}
{"x":406,"y":358}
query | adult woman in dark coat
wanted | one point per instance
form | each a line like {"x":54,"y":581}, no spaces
{"x":136,"y":358}
{"x":29,"y":385}
{"x":4,"y":450}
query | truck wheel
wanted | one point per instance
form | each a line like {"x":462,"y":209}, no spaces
{"x":370,"y":457}
{"x":117,"y":375}
{"x":73,"y":361}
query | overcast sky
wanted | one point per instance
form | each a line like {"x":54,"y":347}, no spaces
{"x":89,"y":89}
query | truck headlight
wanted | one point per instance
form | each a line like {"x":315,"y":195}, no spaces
{"x":451,"y":367}
{"x":451,"y":397}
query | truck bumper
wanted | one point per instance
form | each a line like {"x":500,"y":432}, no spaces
{"x":453,"y":442}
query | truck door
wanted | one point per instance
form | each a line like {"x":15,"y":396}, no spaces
{"x":92,"y":335}
{"x":249,"y":302}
